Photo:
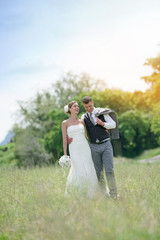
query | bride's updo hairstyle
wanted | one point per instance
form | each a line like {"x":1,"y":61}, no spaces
{"x":67,"y":107}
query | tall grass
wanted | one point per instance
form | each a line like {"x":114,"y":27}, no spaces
{"x":33,"y":206}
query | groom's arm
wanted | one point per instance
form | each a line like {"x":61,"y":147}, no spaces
{"x":109,"y":122}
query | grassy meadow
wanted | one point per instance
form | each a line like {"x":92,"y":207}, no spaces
{"x":33,"y":206}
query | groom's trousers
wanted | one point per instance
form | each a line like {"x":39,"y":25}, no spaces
{"x":102,"y":155}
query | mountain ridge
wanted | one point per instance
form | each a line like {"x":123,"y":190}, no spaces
{"x":7,"y":139}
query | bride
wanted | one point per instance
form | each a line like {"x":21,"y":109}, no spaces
{"x":82,"y":174}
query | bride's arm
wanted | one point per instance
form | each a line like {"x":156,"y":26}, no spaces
{"x":64,"y":134}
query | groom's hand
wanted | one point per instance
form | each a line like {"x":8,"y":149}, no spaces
{"x":99,"y":122}
{"x":69,"y":140}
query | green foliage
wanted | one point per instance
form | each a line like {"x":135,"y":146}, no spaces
{"x":7,"y":155}
{"x":31,"y":130}
{"x":155,"y":64}
{"x":53,"y":139}
{"x":155,"y":121}
{"x":135,"y":132}
{"x":35,"y":113}
{"x":29,"y":150}
{"x":114,"y":99}
{"x":138,"y":100}
{"x":4,"y":237}
{"x":153,"y":96}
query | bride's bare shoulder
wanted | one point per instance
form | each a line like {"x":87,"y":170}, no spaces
{"x":65,"y":123}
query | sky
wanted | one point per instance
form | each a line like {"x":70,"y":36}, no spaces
{"x":41,"y":40}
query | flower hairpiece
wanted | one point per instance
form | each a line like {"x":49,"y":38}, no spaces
{"x":66,"y":108}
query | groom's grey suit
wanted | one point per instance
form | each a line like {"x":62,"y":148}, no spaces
{"x":101,"y":148}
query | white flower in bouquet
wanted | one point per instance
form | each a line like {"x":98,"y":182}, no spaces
{"x":65,"y":161}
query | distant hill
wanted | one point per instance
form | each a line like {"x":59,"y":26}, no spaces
{"x":7,"y":138}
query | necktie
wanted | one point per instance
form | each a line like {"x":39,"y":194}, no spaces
{"x":92,"y":119}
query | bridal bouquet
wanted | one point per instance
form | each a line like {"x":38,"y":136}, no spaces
{"x":65,"y":161}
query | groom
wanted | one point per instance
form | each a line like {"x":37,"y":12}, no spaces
{"x":101,"y":123}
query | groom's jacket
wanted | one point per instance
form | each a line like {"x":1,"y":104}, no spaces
{"x":99,"y":132}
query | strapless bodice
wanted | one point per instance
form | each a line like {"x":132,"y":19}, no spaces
{"x":75,"y":130}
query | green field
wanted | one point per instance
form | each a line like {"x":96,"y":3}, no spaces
{"x":33,"y":206}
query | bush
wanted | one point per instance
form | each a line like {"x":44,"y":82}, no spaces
{"x":135,"y":133}
{"x":29,"y":151}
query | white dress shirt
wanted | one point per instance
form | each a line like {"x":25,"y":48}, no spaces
{"x":109,"y":122}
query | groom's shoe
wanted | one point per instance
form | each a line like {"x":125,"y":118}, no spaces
{"x":115,"y":197}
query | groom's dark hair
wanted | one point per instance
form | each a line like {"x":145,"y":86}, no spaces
{"x":86,"y":99}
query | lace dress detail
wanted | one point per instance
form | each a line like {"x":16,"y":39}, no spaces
{"x":82,"y":173}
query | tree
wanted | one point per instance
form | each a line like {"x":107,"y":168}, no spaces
{"x":153,"y":94}
{"x":70,"y":86}
{"x":135,"y":132}
{"x":53,"y":139}
{"x":155,"y":121}
{"x":34,"y":113}
{"x":155,"y":76}
{"x":29,"y":150}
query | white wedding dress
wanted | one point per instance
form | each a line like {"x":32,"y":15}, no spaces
{"x":82,"y":174}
